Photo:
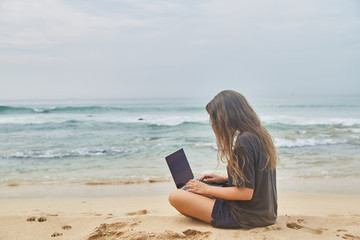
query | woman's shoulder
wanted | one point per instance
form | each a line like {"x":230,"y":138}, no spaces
{"x":248,"y":138}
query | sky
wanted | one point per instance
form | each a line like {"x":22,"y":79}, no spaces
{"x":62,"y":49}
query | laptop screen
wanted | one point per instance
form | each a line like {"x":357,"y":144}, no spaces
{"x":179,"y":168}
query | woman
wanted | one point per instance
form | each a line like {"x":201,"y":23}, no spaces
{"x":250,"y":200}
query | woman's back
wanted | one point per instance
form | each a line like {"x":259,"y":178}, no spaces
{"x":261,"y":210}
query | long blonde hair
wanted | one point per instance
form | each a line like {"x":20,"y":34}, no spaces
{"x":231,"y":115}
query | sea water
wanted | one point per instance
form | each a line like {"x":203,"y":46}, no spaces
{"x":126,"y":140}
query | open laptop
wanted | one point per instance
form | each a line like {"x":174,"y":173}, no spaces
{"x":180,"y":169}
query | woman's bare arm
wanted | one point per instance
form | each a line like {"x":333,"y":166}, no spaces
{"x":229,"y":193}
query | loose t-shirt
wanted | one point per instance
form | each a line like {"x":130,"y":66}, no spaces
{"x":261,"y":210}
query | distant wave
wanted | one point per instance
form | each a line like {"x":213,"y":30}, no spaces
{"x":176,"y":120}
{"x":19,"y":110}
{"x":151,"y":120}
{"x":89,"y":109}
{"x":302,"y":121}
{"x":8,"y":109}
{"x":302,"y":106}
{"x":66,"y":153}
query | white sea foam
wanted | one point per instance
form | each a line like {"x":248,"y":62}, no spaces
{"x":33,"y":119}
{"x":78,"y":152}
{"x":355,"y":130}
{"x":302,"y":142}
{"x":41,"y":110}
{"x":162,"y":120}
{"x":177,"y":120}
{"x":206,"y":145}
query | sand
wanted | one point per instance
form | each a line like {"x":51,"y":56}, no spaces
{"x":301,"y":216}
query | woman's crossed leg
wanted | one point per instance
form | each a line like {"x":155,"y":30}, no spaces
{"x":192,"y":204}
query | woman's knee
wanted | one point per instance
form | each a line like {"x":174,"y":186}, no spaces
{"x":178,"y":197}
{"x":175,"y":196}
{"x":191,"y":204}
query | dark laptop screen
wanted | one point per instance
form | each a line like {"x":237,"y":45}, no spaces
{"x":179,"y":168}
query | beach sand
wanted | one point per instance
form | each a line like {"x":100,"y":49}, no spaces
{"x":301,"y":216}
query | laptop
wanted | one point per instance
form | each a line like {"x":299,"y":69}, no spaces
{"x":181,"y":171}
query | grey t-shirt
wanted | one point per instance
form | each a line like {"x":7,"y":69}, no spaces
{"x":261,"y":210}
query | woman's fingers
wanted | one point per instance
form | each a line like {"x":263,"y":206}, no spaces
{"x":198,"y":187}
{"x":207,"y":177}
{"x":189,"y":184}
{"x":204,"y":177}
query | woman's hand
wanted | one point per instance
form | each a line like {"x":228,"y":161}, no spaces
{"x":213,"y":178}
{"x":197,"y":187}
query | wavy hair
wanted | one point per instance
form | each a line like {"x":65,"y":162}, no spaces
{"x":231,"y":115}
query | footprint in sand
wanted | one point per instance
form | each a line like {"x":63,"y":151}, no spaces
{"x":66,"y":227}
{"x":349,"y":236}
{"x":272,"y":228}
{"x":191,"y":233}
{"x":31,"y":219}
{"x":108,"y":230}
{"x":56,"y":234}
{"x":140,"y":212}
{"x":305,"y":229}
{"x":42,"y":219}
{"x":187,"y":234}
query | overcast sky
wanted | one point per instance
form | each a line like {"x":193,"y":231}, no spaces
{"x":146,"y":48}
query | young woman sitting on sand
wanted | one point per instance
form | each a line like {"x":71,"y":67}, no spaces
{"x":250,"y":200}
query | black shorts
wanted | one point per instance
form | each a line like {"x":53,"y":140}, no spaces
{"x":221,"y":215}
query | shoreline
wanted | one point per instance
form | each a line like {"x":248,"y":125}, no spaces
{"x":334,"y":186}
{"x":300,"y":216}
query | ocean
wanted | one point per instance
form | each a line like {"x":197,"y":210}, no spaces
{"x":122,"y":141}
